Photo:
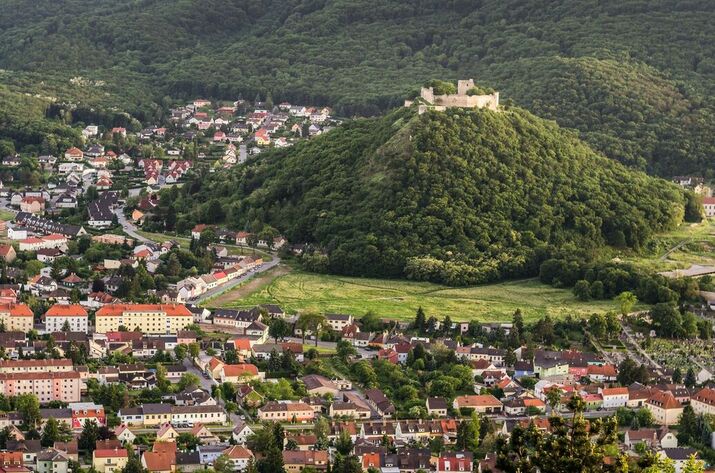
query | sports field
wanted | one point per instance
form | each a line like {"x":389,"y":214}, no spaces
{"x":398,"y":299}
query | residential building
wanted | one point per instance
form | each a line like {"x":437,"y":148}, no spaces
{"x":147,"y":318}
{"x":665,"y":408}
{"x":436,"y":406}
{"x":317,"y":385}
{"x":74,"y":315}
{"x":703,"y":401}
{"x":239,"y":455}
{"x":16,"y":317}
{"x":286,"y":412}
{"x":483,"y":403}
{"x":294,"y":461}
{"x":614,"y":398}
{"x":109,"y":460}
{"x":36,"y":366}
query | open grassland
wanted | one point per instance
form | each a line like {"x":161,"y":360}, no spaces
{"x":397,"y":299}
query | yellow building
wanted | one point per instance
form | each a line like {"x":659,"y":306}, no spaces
{"x":148,"y":318}
{"x":109,"y":460}
{"x":16,"y":317}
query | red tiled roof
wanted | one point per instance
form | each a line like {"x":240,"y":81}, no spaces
{"x":111,"y":453}
{"x":16,"y":310}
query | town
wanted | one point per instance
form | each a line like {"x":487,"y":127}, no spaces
{"x":114,"y":359}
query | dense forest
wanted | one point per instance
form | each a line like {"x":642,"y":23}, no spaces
{"x":636,"y":78}
{"x":461,"y":197}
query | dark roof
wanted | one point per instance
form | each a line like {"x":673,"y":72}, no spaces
{"x":156,"y":408}
{"x":49,"y":226}
{"x":436,"y":403}
{"x":680,"y":453}
{"x":188,"y":458}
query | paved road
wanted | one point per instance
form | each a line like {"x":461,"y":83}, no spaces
{"x":128,"y":227}
{"x":207,"y":384}
{"x":235,"y":282}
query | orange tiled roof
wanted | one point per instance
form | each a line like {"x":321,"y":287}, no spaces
{"x":66,"y":310}
{"x":16,"y":310}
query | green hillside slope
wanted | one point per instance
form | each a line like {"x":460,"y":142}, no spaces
{"x":636,"y":78}
{"x":461,"y":197}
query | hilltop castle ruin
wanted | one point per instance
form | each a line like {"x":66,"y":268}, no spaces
{"x":429,"y":101}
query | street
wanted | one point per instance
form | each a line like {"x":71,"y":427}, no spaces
{"x":129,"y":227}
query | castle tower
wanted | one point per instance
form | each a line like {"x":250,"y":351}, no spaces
{"x":464,"y":85}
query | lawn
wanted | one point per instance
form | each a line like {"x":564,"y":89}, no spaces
{"x":398,"y":299}
{"x":6,"y":215}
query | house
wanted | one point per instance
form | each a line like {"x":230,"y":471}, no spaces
{"x":166,"y":433}
{"x":204,"y":435}
{"x":286,"y":412}
{"x":449,"y":462}
{"x":436,"y":406}
{"x":74,"y":154}
{"x":238,"y":373}
{"x":709,"y":206}
{"x":294,"y":461}
{"x":483,"y":404}
{"x":614,"y":397}
{"x":33,"y":205}
{"x":653,"y":438}
{"x":317,"y":385}
{"x":665,"y":408}
{"x":8,"y":253}
{"x":51,"y":461}
{"x":602,"y":373}
{"x":239,"y":455}
{"x":249,"y":396}
{"x":380,"y":402}
{"x":519,"y":406}
{"x":349,"y":410}
{"x":109,"y":460}
{"x":163,"y":461}
{"x":680,"y":456}
{"x":241,"y":432}
{"x":337,"y":322}
{"x":124,"y":435}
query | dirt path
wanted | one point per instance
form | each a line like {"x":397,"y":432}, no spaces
{"x":251,"y":286}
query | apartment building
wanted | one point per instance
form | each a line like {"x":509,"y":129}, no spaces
{"x":109,"y":460}
{"x":62,"y":386}
{"x":148,"y":318}
{"x":16,"y":317}
{"x":72,"y":314}
{"x":157,"y":414}
{"x":36,"y":366}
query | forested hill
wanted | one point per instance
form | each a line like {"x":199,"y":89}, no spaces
{"x":461,"y":197}
{"x":635,"y":77}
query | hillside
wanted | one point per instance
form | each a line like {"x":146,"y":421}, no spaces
{"x":461,"y":197}
{"x":636,"y":78}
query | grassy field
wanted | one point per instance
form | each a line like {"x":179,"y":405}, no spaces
{"x":396,"y":299}
{"x":6,"y":215}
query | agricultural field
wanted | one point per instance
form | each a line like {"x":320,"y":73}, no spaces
{"x":396,"y":299}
